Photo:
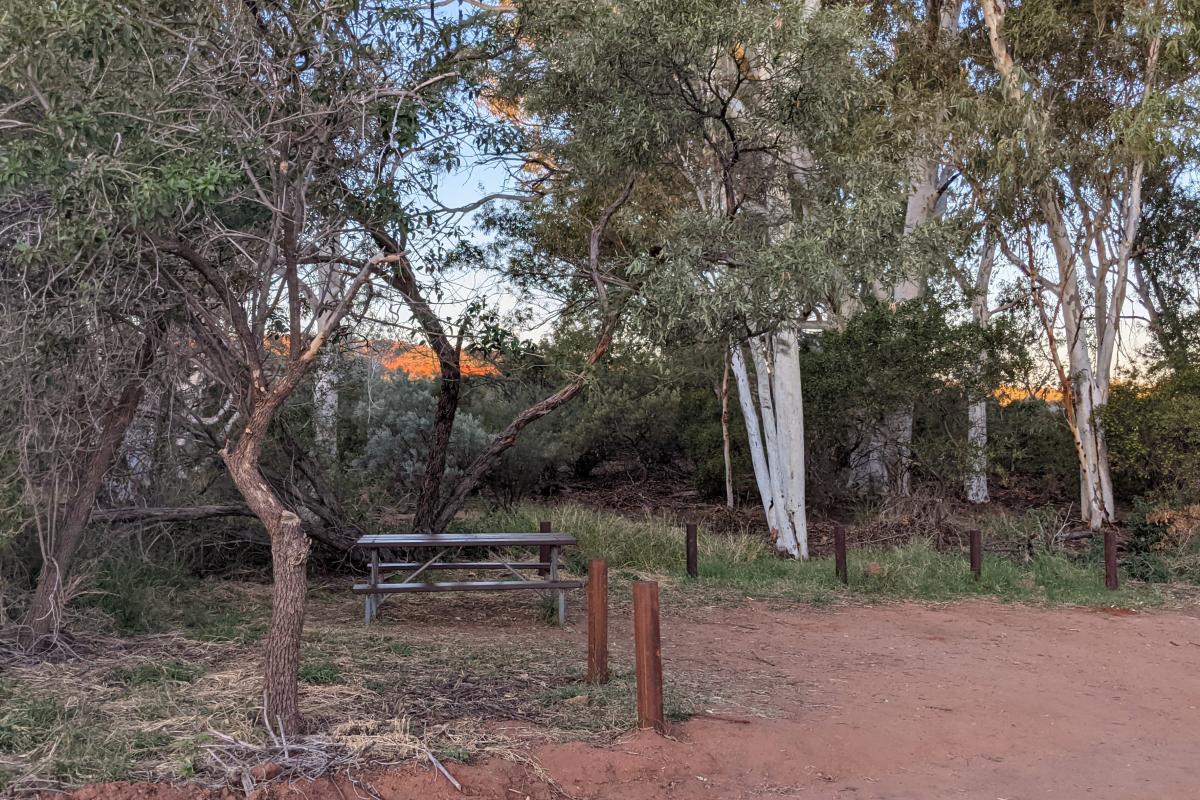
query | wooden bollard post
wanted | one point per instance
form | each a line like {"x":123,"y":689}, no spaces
{"x":647,"y":647}
{"x":1110,"y":560}
{"x":976,"y":553}
{"x":693,"y":554}
{"x":544,"y":550}
{"x":839,"y":554}
{"x":597,"y":616}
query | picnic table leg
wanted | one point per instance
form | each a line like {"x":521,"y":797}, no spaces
{"x":562,"y":594}
{"x":372,"y":601}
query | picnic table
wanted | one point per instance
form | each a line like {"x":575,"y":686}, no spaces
{"x":545,"y":575}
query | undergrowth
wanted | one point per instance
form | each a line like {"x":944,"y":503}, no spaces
{"x":154,"y":703}
{"x":743,"y":566}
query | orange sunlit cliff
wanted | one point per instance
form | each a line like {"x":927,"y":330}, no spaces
{"x":1012,"y":394}
{"x":417,"y":361}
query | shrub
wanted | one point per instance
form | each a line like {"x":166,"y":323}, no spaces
{"x":1153,"y":434}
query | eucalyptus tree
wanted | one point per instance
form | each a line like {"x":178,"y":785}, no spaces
{"x":1081,"y":103}
{"x":762,"y":125}
{"x":255,"y":158}
{"x":85,"y":315}
{"x":922,"y":56}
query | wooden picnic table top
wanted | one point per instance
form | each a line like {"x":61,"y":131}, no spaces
{"x":463,"y":539}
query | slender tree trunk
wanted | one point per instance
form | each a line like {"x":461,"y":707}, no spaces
{"x":325,"y":379}
{"x":977,"y":431}
{"x":758,"y":456}
{"x":449,"y":389}
{"x":289,"y":560}
{"x":725,"y":441}
{"x":425,"y":517}
{"x":43,"y":619}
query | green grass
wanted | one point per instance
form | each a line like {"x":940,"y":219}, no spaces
{"x":320,"y":673}
{"x":737,"y":567}
{"x":155,"y":673}
{"x":68,"y":744}
{"x":131,"y":595}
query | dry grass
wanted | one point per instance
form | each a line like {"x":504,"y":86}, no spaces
{"x":459,"y":676}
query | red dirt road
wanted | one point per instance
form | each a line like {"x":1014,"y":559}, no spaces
{"x":972,"y":700}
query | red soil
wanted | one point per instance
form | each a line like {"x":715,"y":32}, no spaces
{"x":972,"y":700}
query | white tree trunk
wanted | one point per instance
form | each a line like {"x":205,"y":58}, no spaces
{"x":977,"y":439}
{"x":978,"y":287}
{"x":325,"y":408}
{"x":775,"y":430}
{"x":789,"y":423}
{"x":726,"y":453}
{"x":758,"y":458}
{"x":325,"y":388}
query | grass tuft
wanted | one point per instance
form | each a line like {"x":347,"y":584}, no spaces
{"x":156,"y":673}
{"x":320,"y":674}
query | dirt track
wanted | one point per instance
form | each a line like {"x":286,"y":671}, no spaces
{"x":972,"y":700}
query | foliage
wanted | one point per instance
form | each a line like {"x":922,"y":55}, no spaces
{"x":1031,"y":448}
{"x":1153,"y":433}
{"x":917,"y":355}
{"x":395,"y":422}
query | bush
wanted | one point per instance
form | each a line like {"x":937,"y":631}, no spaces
{"x":1153,"y":434}
{"x":396,"y":424}
{"x":1032,"y":449}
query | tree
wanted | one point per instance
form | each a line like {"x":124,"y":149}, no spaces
{"x":925,"y":58}
{"x":1077,"y":192}
{"x":749,"y":120}
{"x":85,"y":317}
{"x":251,"y":155}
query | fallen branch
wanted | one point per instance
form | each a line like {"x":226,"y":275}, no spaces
{"x":445,"y":772}
{"x":169,"y":514}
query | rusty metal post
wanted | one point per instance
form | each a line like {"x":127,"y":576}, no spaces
{"x":976,"y":553}
{"x":839,"y":554}
{"x":597,"y":616}
{"x":647,"y":647}
{"x":1110,"y":560}
{"x":544,"y":550}
{"x":693,"y":557}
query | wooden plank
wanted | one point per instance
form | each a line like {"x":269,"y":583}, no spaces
{"x":467,"y":565}
{"x":647,"y":647}
{"x":597,"y":616}
{"x":464,"y":539}
{"x":976,"y":553}
{"x":464,"y":586}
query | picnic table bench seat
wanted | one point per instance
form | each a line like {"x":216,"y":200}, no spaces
{"x":546,"y":566}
